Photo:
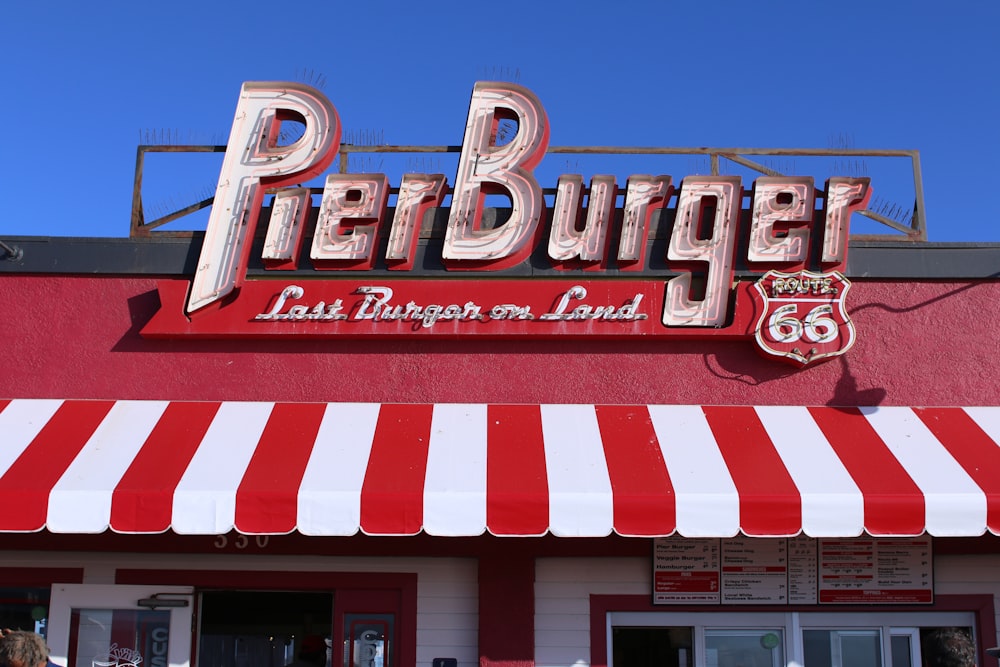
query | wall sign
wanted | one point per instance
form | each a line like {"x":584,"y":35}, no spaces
{"x":798,"y":570}
{"x":802,"y":316}
{"x":545,"y":270}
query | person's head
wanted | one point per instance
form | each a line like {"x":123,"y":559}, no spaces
{"x":948,"y":647}
{"x":20,"y":648}
{"x":313,"y":650}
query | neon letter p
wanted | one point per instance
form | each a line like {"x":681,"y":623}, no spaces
{"x":254,"y":161}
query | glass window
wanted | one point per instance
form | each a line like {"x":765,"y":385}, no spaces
{"x":842,"y":648}
{"x":728,"y":638}
{"x":24,"y":609}
{"x":744,"y":648}
{"x":902,"y":651}
{"x":664,"y":647}
{"x":368,"y":640}
{"x":119,"y":638}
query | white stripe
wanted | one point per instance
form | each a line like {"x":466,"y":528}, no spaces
{"x":80,"y":502}
{"x":955,"y":505}
{"x":832,"y":504}
{"x":988,"y":419}
{"x":455,"y":485}
{"x":708,"y":504}
{"x":205,"y":497}
{"x":580,"y":499}
{"x":20,"y":423}
{"x":329,"y":500}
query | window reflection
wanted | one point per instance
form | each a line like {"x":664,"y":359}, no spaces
{"x":744,"y":648}
{"x":119,"y":638}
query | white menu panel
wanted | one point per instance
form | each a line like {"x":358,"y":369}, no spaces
{"x":803,"y":577}
{"x":798,"y":570}
{"x":685,"y":571}
{"x":876,"y":571}
{"x":754,"y":571}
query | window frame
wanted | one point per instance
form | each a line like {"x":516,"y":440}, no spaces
{"x":976,"y":611}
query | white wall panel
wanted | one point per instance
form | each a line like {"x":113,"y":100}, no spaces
{"x":563,"y":587}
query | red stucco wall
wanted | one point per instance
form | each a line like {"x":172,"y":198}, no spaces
{"x":77,"y":337}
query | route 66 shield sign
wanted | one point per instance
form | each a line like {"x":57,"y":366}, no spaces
{"x":802,"y":317}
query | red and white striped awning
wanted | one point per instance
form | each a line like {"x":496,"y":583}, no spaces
{"x":464,"y":469}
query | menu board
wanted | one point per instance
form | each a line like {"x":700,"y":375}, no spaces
{"x":754,"y":571}
{"x":803,"y":574}
{"x":685,"y":571}
{"x":798,"y":570}
{"x":883,"y":571}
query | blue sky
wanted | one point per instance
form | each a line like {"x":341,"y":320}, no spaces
{"x":86,"y":83}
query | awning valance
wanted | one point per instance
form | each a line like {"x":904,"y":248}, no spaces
{"x":79,"y":466}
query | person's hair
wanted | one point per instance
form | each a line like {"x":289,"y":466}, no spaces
{"x":948,"y":647}
{"x":20,"y":648}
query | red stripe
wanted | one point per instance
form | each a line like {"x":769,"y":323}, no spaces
{"x":769,"y":500}
{"x":123,"y":631}
{"x":517,"y":486}
{"x":143,"y":500}
{"x":25,"y":487}
{"x":4,"y":403}
{"x":392,"y":495}
{"x":894,"y":504}
{"x":643,"y":496}
{"x":267,"y":498}
{"x":975,"y":451}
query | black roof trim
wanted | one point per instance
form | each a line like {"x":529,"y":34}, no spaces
{"x":178,"y":256}
{"x":168,"y":256}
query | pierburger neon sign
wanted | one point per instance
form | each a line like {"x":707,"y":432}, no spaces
{"x":582,"y":272}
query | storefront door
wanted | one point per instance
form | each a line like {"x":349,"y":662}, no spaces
{"x":120,"y":626}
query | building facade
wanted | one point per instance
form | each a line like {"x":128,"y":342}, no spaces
{"x":596,"y":493}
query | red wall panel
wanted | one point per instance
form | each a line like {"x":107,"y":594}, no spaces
{"x":918,"y":343}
